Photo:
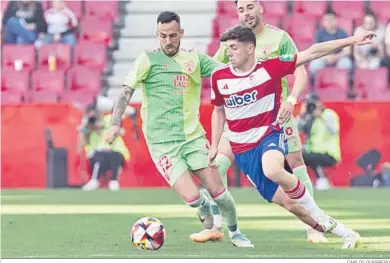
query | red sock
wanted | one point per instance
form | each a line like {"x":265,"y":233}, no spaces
{"x":318,"y":228}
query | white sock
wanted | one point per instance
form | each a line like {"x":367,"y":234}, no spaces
{"x":302,"y":196}
{"x":340,"y":230}
{"x":218,"y":221}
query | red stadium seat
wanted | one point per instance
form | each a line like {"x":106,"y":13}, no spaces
{"x":91,"y":55}
{"x":43,"y":97}
{"x":332,"y":83}
{"x":303,"y":44}
{"x":25,"y":53}
{"x":213,"y":47}
{"x":347,"y":9}
{"x":226,"y":8}
{"x":272,"y":20}
{"x":46,"y":81}
{"x":381,"y":9}
{"x":311,"y":8}
{"x":275,"y":8}
{"x":10,"y":98}
{"x":301,"y":27}
{"x":96,"y":31}
{"x":102,"y":10}
{"x":15,"y":82}
{"x":4,"y":4}
{"x":222,"y":23}
{"x":81,"y":98}
{"x":372,"y":84}
{"x":62,"y":53}
{"x":76,"y":7}
{"x":346,"y":24}
{"x":84,"y":79}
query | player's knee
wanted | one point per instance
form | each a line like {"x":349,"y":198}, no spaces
{"x":194,"y":201}
{"x":295,"y":159}
{"x":289,"y":205}
{"x":220,"y":196}
{"x":273,"y":171}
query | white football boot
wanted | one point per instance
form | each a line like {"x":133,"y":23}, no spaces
{"x":93,"y":184}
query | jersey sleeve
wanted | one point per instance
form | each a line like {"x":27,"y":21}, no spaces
{"x":216,"y":97}
{"x":287,"y":45}
{"x":207,"y":65}
{"x":139,"y":72}
{"x":221,"y":54}
{"x":280,"y":66}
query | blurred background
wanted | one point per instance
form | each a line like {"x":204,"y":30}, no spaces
{"x":64,"y":62}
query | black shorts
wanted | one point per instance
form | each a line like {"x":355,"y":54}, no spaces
{"x":104,"y":161}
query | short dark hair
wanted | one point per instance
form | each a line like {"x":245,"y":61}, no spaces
{"x":167,"y":17}
{"x":239,"y":33}
{"x":330,"y":11}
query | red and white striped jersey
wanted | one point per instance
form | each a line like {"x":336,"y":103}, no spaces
{"x":251,"y":100}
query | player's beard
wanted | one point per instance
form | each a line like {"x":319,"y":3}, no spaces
{"x":173,"y":53}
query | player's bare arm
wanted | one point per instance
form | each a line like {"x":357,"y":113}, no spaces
{"x":119,"y":110}
{"x":218,"y":119}
{"x":322,"y":49}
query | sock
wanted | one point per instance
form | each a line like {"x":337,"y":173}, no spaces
{"x":218,"y":220}
{"x":227,"y":207}
{"x":223,"y":163}
{"x":301,"y":196}
{"x":201,"y":201}
{"x":340,"y":230}
{"x":300,"y":172}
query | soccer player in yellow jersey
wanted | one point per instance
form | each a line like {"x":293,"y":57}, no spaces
{"x":271,"y":42}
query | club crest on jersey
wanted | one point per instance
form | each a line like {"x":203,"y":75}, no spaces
{"x":265,"y":50}
{"x":181,"y":82}
{"x":189,"y":66}
{"x":235,"y":101}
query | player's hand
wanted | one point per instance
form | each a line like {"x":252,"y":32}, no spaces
{"x":211,"y":156}
{"x":364,"y":38}
{"x":112,"y":133}
{"x":285,"y":112}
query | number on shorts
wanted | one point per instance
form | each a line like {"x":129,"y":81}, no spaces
{"x":165,"y":165}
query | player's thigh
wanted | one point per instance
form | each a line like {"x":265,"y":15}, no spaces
{"x":250,"y":164}
{"x":273,"y":156}
{"x":185,"y":186}
{"x":225,"y":148}
{"x":291,"y":133}
{"x":168,"y":161}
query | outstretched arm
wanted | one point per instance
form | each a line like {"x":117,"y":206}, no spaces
{"x":121,"y":105}
{"x":325,"y":48}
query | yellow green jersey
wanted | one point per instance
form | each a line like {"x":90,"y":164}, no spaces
{"x":171,"y":88}
{"x":271,"y":43}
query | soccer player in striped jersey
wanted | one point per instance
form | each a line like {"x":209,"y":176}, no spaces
{"x":245,"y":95}
{"x":271,"y":42}
{"x":171,"y":83}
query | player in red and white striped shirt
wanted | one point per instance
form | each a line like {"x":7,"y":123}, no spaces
{"x":246,"y":95}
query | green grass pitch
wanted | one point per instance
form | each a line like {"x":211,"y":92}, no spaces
{"x":76,"y":224}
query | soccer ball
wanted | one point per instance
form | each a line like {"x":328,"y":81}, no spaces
{"x":148,"y":233}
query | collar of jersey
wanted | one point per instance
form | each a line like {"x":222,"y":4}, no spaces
{"x":242,"y":74}
{"x":264,"y":29}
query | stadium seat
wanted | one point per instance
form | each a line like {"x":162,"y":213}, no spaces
{"x":301,"y":27}
{"x":222,"y":23}
{"x":46,"y":81}
{"x":84,"y":79}
{"x":226,"y":8}
{"x":311,"y":8}
{"x":372,"y":84}
{"x":80,"y":98}
{"x":381,"y":9}
{"x":272,"y":20}
{"x":213,"y":47}
{"x":96,"y":31}
{"x":4,"y":4}
{"x":332,"y":84}
{"x":76,"y":7}
{"x":62,"y":52}
{"x":275,"y":8}
{"x":43,"y":97}
{"x":346,"y":24}
{"x":25,"y":53}
{"x":102,"y":10}
{"x":8,"y":98}
{"x":91,"y":55}
{"x":303,"y":44}
{"x":347,"y":9}
{"x":15,"y":82}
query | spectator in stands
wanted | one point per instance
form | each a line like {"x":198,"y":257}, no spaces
{"x":61,"y":24}
{"x":331,"y":31}
{"x":23,"y":22}
{"x":102,"y":158}
{"x":386,"y":59}
{"x":322,"y":142}
{"x":369,"y":56}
